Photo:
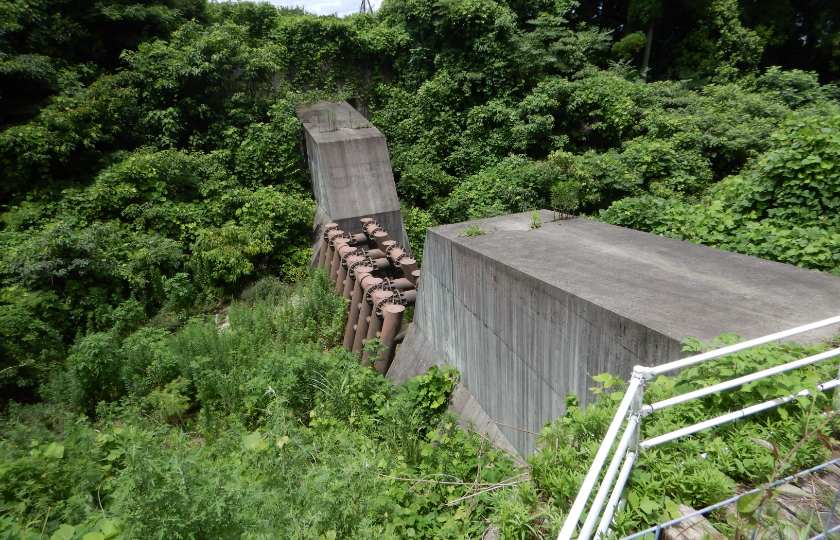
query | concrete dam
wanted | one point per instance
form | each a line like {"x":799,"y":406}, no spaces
{"x":529,"y":315}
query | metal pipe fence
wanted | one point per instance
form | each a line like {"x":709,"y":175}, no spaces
{"x":632,"y":411}
{"x":830,"y":527}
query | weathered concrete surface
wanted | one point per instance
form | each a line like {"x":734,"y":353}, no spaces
{"x":423,"y":356}
{"x":529,"y":316}
{"x":351,"y":170}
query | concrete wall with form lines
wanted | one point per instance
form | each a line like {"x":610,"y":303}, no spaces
{"x":528,"y":316}
{"x":351,"y":170}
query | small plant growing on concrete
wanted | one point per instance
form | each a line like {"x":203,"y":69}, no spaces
{"x":536,"y":221}
{"x":472,"y":230}
{"x":332,"y":123}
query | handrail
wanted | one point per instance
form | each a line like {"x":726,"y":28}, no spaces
{"x":726,"y":385}
{"x":600,"y":457}
{"x":721,"y":504}
{"x":632,"y":410}
{"x":679,"y":364}
{"x":734,"y":415}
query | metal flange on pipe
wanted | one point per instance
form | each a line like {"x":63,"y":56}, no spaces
{"x":322,"y":253}
{"x":330,"y":230}
{"x":379,"y":278}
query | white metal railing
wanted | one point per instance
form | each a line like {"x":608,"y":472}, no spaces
{"x":633,"y":411}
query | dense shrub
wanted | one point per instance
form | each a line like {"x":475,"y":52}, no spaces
{"x":784,"y":208}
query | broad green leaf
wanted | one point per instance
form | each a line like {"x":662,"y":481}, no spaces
{"x":64,"y":532}
{"x":54,"y":450}
{"x":254,"y":442}
{"x":672,"y":508}
{"x":648,"y":506}
{"x":767,"y":445}
{"x":748,"y":504}
{"x":790,"y":489}
{"x":109,"y":528}
{"x":94,"y":536}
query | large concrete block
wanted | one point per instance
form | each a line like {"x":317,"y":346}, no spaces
{"x":528,"y":316}
{"x":351,"y":170}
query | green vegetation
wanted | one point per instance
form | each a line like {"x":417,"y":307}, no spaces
{"x":259,"y":429}
{"x":536,"y":220}
{"x":784,"y":208}
{"x":258,"y":426}
{"x":153,"y":168}
{"x":698,"y":470}
{"x":472,"y":230}
{"x":151,"y":172}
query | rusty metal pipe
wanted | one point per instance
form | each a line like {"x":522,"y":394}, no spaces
{"x":395,"y":250}
{"x":401,"y":284}
{"x":403,"y":332}
{"x":328,"y":239}
{"x":332,"y":236}
{"x":382,"y":264}
{"x":322,"y":253}
{"x":365,"y":309}
{"x":336,"y":257}
{"x":408,"y":266}
{"x":358,"y":239}
{"x":350,"y":249}
{"x":365,"y":266}
{"x":370,"y":227}
{"x":409,"y":298}
{"x":374,"y":322}
{"x":375,"y":253}
{"x":391,"y":321}
{"x":361,"y":273}
{"x":379,"y":237}
{"x":365,"y":252}
{"x":347,"y":290}
{"x":344,"y":251}
{"x":415,"y":277}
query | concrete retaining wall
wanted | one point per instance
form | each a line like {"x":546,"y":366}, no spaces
{"x":529,"y":316}
{"x":351,"y":170}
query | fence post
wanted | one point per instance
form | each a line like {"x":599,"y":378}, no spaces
{"x":836,"y":401}
{"x":615,"y":500}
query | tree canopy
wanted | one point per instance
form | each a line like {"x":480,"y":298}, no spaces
{"x":152,"y":170}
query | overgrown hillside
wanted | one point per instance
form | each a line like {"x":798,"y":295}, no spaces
{"x":262,"y":428}
{"x":152,"y":171}
{"x":153,"y":168}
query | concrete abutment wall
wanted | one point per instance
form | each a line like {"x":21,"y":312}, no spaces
{"x":351,"y":170}
{"x":528,"y":316}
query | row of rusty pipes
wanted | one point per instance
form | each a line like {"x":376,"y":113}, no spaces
{"x":379,"y":277}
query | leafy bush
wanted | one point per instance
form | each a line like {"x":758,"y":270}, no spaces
{"x":700,"y":469}
{"x":262,"y":429}
{"x":472,"y":230}
{"x":783,"y":209}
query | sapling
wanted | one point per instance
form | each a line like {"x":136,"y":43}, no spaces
{"x":536,"y":221}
